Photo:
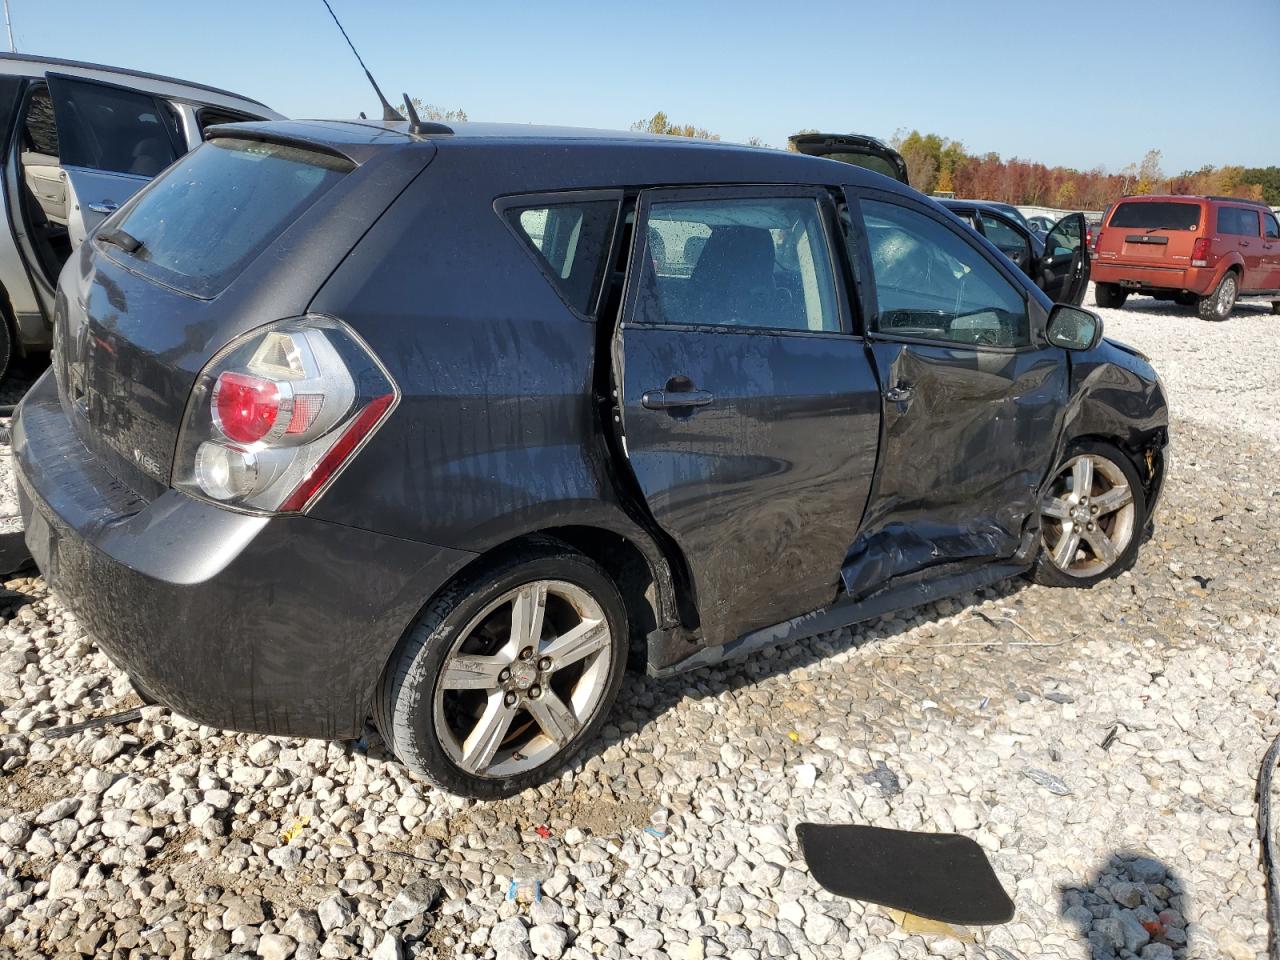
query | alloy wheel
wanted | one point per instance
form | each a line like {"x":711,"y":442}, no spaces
{"x":1088,"y":516}
{"x":1226,"y":298}
{"x":524,"y":678}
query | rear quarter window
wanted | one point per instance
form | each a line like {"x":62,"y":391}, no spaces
{"x":1156,"y":215}
{"x":219,"y":207}
{"x":569,"y":240}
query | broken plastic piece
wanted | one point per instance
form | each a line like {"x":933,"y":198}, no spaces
{"x":525,"y":891}
{"x":910,"y":923}
{"x":110,"y":720}
{"x":543,"y":831}
{"x":939,"y":876}
{"x":1055,"y":785}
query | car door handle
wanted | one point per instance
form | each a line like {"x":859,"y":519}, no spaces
{"x":675,"y":399}
{"x":1244,"y":243}
{"x":104,"y":206}
{"x":902,"y":393}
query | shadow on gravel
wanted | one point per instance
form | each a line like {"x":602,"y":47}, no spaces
{"x":1133,"y":904}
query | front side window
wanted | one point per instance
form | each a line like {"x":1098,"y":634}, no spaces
{"x":570,"y":241}
{"x":1007,"y":240}
{"x":738,"y":262}
{"x":1271,"y":226}
{"x":932,"y":284}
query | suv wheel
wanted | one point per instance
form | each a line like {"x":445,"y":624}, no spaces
{"x":1091,"y":518}
{"x":1109,"y":295}
{"x":1218,"y":305}
{"x":505,"y":677}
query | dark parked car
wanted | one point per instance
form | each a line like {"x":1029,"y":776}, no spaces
{"x":1057,"y":262}
{"x":444,"y":425}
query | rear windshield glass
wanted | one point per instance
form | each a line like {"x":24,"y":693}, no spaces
{"x":1157,"y":216}
{"x":219,"y":207}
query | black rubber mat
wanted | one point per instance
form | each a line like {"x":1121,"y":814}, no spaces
{"x":941,"y":876}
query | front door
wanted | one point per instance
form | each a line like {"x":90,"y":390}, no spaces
{"x":1271,"y":250}
{"x":112,"y":141}
{"x":1063,"y":269}
{"x":750,"y":412}
{"x":972,"y":394}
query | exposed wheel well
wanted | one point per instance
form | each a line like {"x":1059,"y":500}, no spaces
{"x":1150,"y":469}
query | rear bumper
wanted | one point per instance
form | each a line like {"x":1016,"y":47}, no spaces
{"x":278,"y":625}
{"x":1197,"y":280}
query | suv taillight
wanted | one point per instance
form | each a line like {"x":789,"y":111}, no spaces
{"x":1200,"y":252}
{"x":276,"y":414}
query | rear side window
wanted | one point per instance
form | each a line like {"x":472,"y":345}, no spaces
{"x":570,"y":241}
{"x":933,"y":285}
{"x":1233,"y":221}
{"x":1156,"y":215}
{"x":223,"y":204}
{"x":120,"y":131}
{"x":738,"y":262}
{"x":40,"y":133}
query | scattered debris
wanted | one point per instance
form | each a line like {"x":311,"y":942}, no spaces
{"x":1054,"y":785}
{"x":110,"y":720}
{"x":543,"y":831}
{"x":1110,"y":738}
{"x":884,"y":778}
{"x":911,"y":923}
{"x":984,"y":703}
{"x":525,"y":891}
{"x":294,"y":831}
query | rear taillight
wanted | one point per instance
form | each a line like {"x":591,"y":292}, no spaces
{"x":1200,"y":252}
{"x":277,"y":414}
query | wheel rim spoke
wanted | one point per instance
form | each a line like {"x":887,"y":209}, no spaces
{"x":554,"y":717}
{"x":483,"y":742}
{"x":1082,"y":477}
{"x":465,"y":672}
{"x":1102,"y":545}
{"x":527,"y":611}
{"x":1112,"y":500}
{"x":1065,"y":551}
{"x":582,"y":641}
{"x":1057,"y":508}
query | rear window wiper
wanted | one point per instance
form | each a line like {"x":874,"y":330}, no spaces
{"x":120,"y":238}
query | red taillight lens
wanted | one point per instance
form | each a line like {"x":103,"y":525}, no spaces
{"x":277,"y":414}
{"x":245,"y":407}
{"x":1200,"y":252}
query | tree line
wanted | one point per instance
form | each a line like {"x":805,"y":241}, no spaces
{"x":936,"y":164}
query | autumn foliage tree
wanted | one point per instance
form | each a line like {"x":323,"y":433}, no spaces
{"x":659,"y":123}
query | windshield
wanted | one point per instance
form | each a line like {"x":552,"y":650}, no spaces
{"x":202,"y":222}
{"x":1157,"y":215}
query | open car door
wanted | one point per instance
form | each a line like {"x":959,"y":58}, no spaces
{"x":112,"y":141}
{"x":1063,"y":270}
{"x":855,"y":148}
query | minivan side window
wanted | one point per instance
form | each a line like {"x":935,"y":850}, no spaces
{"x":1237,"y":222}
{"x":570,"y":242}
{"x":1271,"y":226}
{"x":120,"y":131}
{"x":738,"y":262}
{"x":932,"y":284}
{"x":40,"y":133}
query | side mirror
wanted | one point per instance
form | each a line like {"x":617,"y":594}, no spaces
{"x":1073,"y":328}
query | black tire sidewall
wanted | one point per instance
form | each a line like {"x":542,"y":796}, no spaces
{"x":1046,"y":571}
{"x":1207,"y":308}
{"x":412,"y":673}
{"x":1109,"y":296}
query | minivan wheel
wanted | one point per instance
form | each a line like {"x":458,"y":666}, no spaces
{"x":1091,"y":518}
{"x":1110,"y":295}
{"x":1219,"y":304}
{"x":506,"y":676}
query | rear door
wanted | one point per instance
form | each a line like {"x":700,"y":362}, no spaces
{"x":972,"y":394}
{"x":1242,"y":228}
{"x":1063,"y":269}
{"x":750,"y":412}
{"x":112,"y":141}
{"x":1271,"y":249}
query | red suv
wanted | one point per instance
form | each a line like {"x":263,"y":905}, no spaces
{"x":1201,"y":251}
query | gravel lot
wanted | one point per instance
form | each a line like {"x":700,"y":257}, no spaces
{"x":988,"y":715}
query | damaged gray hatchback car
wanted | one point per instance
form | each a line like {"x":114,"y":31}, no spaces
{"x":448,"y":425}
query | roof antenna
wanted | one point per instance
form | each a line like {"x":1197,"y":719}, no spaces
{"x":417,"y":126}
{"x":388,"y":111}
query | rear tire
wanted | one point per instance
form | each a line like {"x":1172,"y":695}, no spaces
{"x":1218,"y":305}
{"x":1109,"y":295}
{"x":1275,"y":307}
{"x":1105,"y":507}
{"x":493,"y":736}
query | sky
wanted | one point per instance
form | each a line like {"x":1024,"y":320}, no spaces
{"x":1081,"y":84}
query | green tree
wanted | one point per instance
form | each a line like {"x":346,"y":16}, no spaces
{"x":659,"y":123}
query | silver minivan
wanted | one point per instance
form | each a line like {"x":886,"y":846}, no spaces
{"x":79,"y":139}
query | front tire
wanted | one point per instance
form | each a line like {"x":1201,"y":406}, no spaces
{"x":1091,"y":518}
{"x":507,"y":675}
{"x":1218,"y":305}
{"x":1110,"y":295}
